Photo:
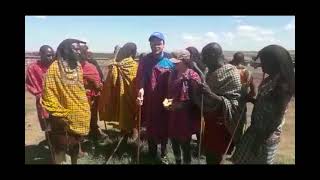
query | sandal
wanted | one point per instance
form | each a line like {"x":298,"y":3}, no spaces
{"x":165,"y":160}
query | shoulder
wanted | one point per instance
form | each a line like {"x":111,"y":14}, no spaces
{"x":193,"y":73}
{"x":33,"y":65}
{"x":144,"y":58}
{"x":93,"y":61}
{"x":90,"y":64}
{"x":167,"y":55}
{"x":230,"y":67}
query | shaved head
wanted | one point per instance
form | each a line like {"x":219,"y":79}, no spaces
{"x":238,"y":58}
{"x":46,"y":54}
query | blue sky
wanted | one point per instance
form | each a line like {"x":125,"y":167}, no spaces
{"x":102,"y":33}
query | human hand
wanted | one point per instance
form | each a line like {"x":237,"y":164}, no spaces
{"x":204,"y":88}
{"x":140,"y":97}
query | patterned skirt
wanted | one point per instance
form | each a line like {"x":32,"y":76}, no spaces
{"x":244,"y":153}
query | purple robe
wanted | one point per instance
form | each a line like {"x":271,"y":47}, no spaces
{"x":152,"y":75}
{"x":185,"y":121}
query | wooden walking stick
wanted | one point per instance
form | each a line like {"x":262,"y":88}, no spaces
{"x":224,"y":156}
{"x":202,"y":124}
{"x":49,"y":141}
{"x":139,"y":132}
{"x":115,"y":150}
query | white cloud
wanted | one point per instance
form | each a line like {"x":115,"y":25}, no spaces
{"x":198,"y":40}
{"x":290,"y":26}
{"x":213,"y":36}
{"x":190,"y":37}
{"x":255,"y":33}
{"x":227,"y":38}
{"x":266,"y":32}
{"x":246,"y":28}
{"x":228,"y":35}
{"x":243,"y":36}
{"x":40,"y":17}
{"x":239,"y":21}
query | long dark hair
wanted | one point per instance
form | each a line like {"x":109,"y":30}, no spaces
{"x":195,"y":57}
{"x":280,"y":57}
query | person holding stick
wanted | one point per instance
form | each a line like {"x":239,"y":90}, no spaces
{"x":221,"y":93}
{"x":64,"y":97}
{"x":152,"y":81}
{"x":182,"y":114}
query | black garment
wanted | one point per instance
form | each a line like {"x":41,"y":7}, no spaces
{"x":94,"y":128}
{"x":153,"y":149}
{"x":186,"y":151}
{"x":213,"y":158}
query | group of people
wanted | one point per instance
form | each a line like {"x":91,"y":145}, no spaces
{"x":177,"y":94}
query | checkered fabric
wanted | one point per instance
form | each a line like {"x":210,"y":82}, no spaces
{"x":65,"y":97}
{"x":226,"y":83}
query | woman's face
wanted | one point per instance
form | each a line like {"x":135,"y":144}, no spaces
{"x":269,"y":66}
{"x":181,"y":67}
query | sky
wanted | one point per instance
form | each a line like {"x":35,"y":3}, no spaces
{"x":103,"y":33}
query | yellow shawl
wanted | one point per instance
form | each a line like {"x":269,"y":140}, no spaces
{"x":117,"y":100}
{"x":64,"y":96}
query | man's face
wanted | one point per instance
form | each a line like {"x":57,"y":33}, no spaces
{"x":47,"y":55}
{"x":209,"y":61}
{"x":75,"y":54}
{"x":156,"y":45}
{"x":84,"y":52}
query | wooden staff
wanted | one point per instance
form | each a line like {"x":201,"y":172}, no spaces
{"x":224,"y":156}
{"x":49,"y":141}
{"x":202,"y":123}
{"x":115,"y":150}
{"x":201,"y":129}
{"x":139,"y":131}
